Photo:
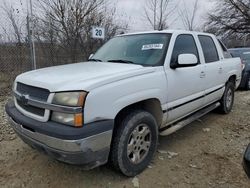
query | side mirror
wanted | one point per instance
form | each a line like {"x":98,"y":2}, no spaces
{"x":187,"y":59}
{"x":246,"y":161}
{"x":90,"y":56}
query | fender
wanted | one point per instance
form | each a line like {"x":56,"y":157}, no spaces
{"x":106,"y":101}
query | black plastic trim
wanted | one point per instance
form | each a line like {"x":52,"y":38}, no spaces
{"x":41,"y":94}
{"x":182,"y":104}
{"x":58,"y":130}
{"x":189,"y":116}
{"x":213,"y":91}
{"x":173,"y":108}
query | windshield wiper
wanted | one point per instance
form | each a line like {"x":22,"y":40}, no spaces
{"x":97,"y":60}
{"x":121,"y":61}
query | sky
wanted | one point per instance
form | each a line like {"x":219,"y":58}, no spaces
{"x":133,"y":10}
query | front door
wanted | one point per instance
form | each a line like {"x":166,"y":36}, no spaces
{"x":185,"y":84}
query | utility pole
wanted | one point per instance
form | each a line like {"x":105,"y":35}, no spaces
{"x":30,"y":27}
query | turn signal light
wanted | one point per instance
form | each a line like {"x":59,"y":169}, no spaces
{"x":78,"y":120}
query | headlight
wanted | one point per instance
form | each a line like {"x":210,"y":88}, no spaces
{"x":70,"y":98}
{"x":75,"y":120}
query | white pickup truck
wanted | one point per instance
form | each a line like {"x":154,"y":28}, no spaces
{"x":134,"y":88}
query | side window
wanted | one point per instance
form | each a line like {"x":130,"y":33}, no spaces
{"x":209,"y":49}
{"x":184,"y":44}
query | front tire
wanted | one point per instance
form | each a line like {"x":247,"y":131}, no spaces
{"x":227,"y":100}
{"x":134,"y":143}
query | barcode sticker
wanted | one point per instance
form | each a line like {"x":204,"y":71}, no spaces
{"x":152,"y":47}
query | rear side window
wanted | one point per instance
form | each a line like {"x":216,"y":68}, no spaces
{"x":226,"y":54}
{"x":209,"y":49}
{"x":184,"y":44}
{"x":235,"y":53}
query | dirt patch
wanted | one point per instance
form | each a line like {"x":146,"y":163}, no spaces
{"x":207,"y":153}
{"x":5,"y":83}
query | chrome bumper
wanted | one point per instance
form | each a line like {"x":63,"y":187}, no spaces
{"x":93,"y":143}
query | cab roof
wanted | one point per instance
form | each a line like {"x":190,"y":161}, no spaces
{"x":167,"y":31}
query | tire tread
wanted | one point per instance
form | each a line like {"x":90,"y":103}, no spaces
{"x":115,"y":153}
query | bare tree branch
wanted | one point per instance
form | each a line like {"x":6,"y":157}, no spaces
{"x":11,"y":14}
{"x":157,"y":12}
{"x":70,"y":23}
{"x":188,"y":17}
{"x":230,"y":18}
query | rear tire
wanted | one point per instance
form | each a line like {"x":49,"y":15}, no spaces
{"x":227,"y":100}
{"x":134,"y":143}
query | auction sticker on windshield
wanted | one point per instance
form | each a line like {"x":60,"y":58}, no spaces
{"x":152,"y":47}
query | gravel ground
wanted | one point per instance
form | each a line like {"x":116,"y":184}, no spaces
{"x":6,"y":132}
{"x":207,"y":153}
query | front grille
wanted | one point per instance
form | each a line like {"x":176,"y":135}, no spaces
{"x":33,"y":92}
{"x":37,"y":93}
{"x":31,"y":109}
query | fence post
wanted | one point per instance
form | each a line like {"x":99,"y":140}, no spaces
{"x":30,"y":29}
{"x":30,"y":44}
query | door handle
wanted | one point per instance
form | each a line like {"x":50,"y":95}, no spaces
{"x":203,"y":74}
{"x":220,"y":70}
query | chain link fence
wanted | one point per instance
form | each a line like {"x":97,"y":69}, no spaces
{"x":25,"y":40}
{"x":16,"y":59}
{"x":13,"y":61}
{"x":57,"y":32}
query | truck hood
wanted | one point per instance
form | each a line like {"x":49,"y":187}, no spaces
{"x":81,"y":76}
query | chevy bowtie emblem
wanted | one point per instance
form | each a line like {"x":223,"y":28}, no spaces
{"x":24,"y":99}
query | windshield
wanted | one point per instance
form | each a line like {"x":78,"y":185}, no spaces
{"x":142,"y":49}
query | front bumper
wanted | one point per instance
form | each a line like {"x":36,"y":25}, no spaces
{"x":246,"y":161}
{"x":88,"y":146}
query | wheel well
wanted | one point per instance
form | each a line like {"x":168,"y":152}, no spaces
{"x":152,"y":106}
{"x":232,"y":79}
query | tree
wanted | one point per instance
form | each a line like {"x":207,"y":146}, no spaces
{"x":188,"y":17}
{"x":62,"y":29}
{"x":68,"y":24}
{"x":156,"y":12}
{"x":231,"y":17}
{"x":15,"y":21}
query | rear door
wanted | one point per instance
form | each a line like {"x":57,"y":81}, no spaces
{"x":214,"y":73}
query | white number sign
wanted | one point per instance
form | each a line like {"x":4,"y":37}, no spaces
{"x":98,"y":32}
